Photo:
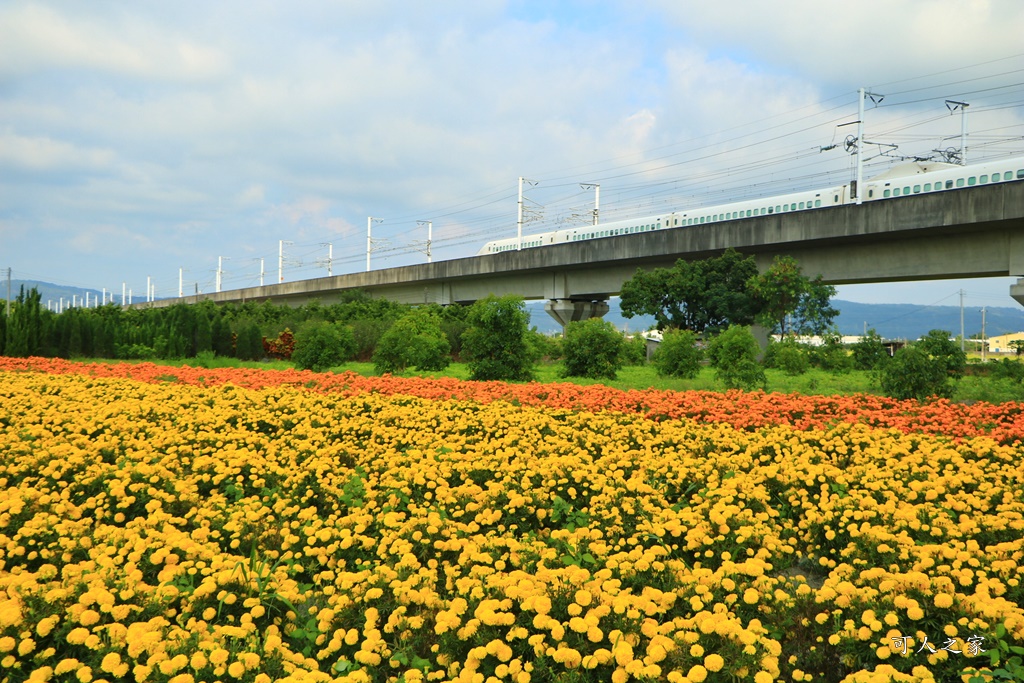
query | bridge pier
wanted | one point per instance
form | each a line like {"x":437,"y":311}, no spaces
{"x":566,"y":311}
{"x":1017,"y":291}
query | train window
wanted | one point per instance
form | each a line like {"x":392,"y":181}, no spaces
{"x":1008,"y":175}
{"x":949,"y":184}
{"x":972,"y":181}
{"x":927,"y":187}
{"x":917,"y":189}
{"x":906,"y":190}
{"x":886,"y":193}
{"x":983,"y":179}
{"x":1020,"y":173}
{"x":801,"y":205}
{"x":895,"y":192}
{"x":959,"y":182}
{"x":817,"y":203}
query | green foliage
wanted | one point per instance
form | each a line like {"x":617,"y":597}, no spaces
{"x":938,"y":345}
{"x":733,"y":354}
{"x":912,"y":373}
{"x":791,"y":302}
{"x":1018,"y":346}
{"x":1006,"y":661}
{"x":831,"y":354}
{"x":543,"y":346}
{"x":495,"y":345}
{"x":678,"y":355}
{"x":634,"y":351}
{"x":927,"y":368}
{"x":321,"y":345}
{"x":1007,"y":368}
{"x":24,"y":328}
{"x":790,"y":356}
{"x":249,"y":341}
{"x":701,"y":296}
{"x":415,"y":340}
{"x":367,"y":333}
{"x":592,"y":348}
{"x":869,"y":353}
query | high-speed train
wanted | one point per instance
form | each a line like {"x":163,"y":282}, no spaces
{"x":909,"y":178}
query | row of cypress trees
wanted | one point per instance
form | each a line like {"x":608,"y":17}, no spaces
{"x":178,"y":331}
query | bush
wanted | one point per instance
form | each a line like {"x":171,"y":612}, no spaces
{"x":415,"y":340}
{"x":678,"y":355}
{"x":869,"y":353}
{"x":831,"y":355}
{"x":495,"y":345}
{"x":790,"y":356}
{"x":944,"y":351}
{"x":1007,"y":368}
{"x":367,"y":333}
{"x":733,"y":354}
{"x":320,"y":345}
{"x":912,"y":373}
{"x":543,"y":346}
{"x":592,"y":348}
{"x":634,"y":351}
{"x":249,"y":341}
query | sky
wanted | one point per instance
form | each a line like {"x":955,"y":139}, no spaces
{"x":151,"y":140}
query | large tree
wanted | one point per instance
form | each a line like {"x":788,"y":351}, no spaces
{"x":791,"y":302}
{"x":707,"y":295}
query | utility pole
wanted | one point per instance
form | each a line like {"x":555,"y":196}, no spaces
{"x":430,"y":230}
{"x":860,"y":137}
{"x":123,"y":298}
{"x":220,"y":271}
{"x":149,"y":284}
{"x":181,"y":282}
{"x":370,"y":220}
{"x":984,"y":346}
{"x":597,"y":198}
{"x":280,"y":259}
{"x":262,"y":271}
{"x":330,"y":257}
{"x":953,"y":105}
{"x":962,"y":346}
{"x":8,"y":292}
{"x":104,"y":297}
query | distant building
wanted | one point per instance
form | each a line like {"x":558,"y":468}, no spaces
{"x":1001,"y":344}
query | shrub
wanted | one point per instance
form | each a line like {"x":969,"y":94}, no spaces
{"x":790,"y":356}
{"x":249,"y":341}
{"x":869,"y":353}
{"x":912,"y":373}
{"x":495,"y":345}
{"x":945,"y":352}
{"x":733,"y":354}
{"x":592,"y":348}
{"x":544,"y":346}
{"x":634,"y":350}
{"x":415,"y":340}
{"x":367,"y":333}
{"x":678,"y":355}
{"x":320,"y":345}
{"x":831,"y":355}
{"x":1007,"y":368}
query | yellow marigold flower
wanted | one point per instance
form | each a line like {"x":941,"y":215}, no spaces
{"x":697,"y":673}
{"x":750,"y":596}
{"x":883,"y":652}
{"x":696,"y":650}
{"x":77,"y":636}
{"x":915,"y":613}
{"x":41,"y":675}
{"x":583,"y":597}
{"x":66,"y":666}
{"x":198,"y":660}
{"x":236,"y":669}
{"x":89,"y":617}
{"x":763,"y":677}
{"x":84,"y":674}
{"x":219,"y":656}
{"x":943,"y":600}
{"x":111,"y":662}
{"x":7,"y":643}
{"x":714,"y":662}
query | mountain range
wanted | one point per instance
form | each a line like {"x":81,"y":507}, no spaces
{"x":892,"y":321}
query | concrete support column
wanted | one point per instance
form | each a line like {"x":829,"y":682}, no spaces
{"x":1017,"y":291}
{"x":566,"y":311}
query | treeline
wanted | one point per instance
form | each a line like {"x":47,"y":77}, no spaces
{"x":248,"y":331}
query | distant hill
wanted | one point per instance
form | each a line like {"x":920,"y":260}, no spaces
{"x":893,"y":321}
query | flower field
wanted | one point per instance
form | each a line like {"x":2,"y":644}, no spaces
{"x":163,"y":524}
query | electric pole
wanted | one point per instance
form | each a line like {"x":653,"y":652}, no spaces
{"x":370,"y":220}
{"x":597,"y":198}
{"x":953,"y":105}
{"x":860,"y":138}
{"x":962,"y":345}
{"x":984,"y":346}
{"x":430,"y":230}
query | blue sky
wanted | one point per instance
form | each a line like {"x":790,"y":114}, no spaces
{"x":140,"y":138}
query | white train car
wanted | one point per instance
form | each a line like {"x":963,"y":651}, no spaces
{"x":909,"y":178}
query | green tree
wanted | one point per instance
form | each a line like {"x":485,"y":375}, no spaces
{"x":911,"y":373}
{"x":705,"y":295}
{"x":1018,"y":346}
{"x":869,"y":353}
{"x":415,"y":340}
{"x":678,"y":355}
{"x":248,"y":341}
{"x":791,"y":302}
{"x":789,"y":356}
{"x":591,"y":348}
{"x":495,"y":345}
{"x":944,"y":351}
{"x":733,"y":354}
{"x":24,"y":327}
{"x":320,"y":345}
